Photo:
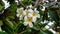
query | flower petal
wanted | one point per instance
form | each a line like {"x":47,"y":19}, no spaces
{"x":30,"y":25}
{"x":38,"y":15}
{"x":21,"y":17}
{"x":25,"y":18}
{"x":30,"y":10}
{"x":34,"y":19}
{"x":17,"y":15}
{"x":25,"y":23}
{"x":0,"y":29}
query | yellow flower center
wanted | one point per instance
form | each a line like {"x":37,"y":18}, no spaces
{"x":20,"y":12}
{"x":34,"y":14}
{"x":29,"y":19}
{"x":27,"y":13}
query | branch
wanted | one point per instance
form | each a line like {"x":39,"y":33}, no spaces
{"x":20,"y":3}
{"x":36,"y":3}
{"x":23,"y":32}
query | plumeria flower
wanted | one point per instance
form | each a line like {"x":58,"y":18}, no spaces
{"x":6,"y":4}
{"x":28,"y":21}
{"x":20,"y":13}
{"x":54,"y":32}
{"x":49,"y":25}
{"x":43,"y":22}
{"x":27,"y":12}
{"x":35,"y":14}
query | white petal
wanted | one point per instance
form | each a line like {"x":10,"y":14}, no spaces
{"x":24,"y":13}
{"x":47,"y":27}
{"x":55,"y":0}
{"x":16,"y":1}
{"x":42,"y":22}
{"x":45,"y":21}
{"x":0,"y":29}
{"x":30,"y":25}
{"x":30,"y":10}
{"x":38,"y":16}
{"x":50,"y":23}
{"x":30,"y":15}
{"x":25,"y":18}
{"x":43,"y":8}
{"x":52,"y":31}
{"x":30,"y":6}
{"x":6,"y":4}
{"x":25,"y":23}
{"x":35,"y":9}
{"x":34,"y":19}
{"x":20,"y":9}
{"x":17,"y":15}
{"x":21,"y":17}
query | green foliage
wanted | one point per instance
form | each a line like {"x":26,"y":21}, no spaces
{"x":3,"y":33}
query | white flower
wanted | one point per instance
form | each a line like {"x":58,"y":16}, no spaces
{"x":20,"y":13}
{"x":47,"y":27}
{"x":51,"y":23}
{"x":54,"y":32}
{"x":28,"y":21}
{"x":27,"y":12}
{"x":6,"y":4}
{"x":43,"y":22}
{"x":35,"y":14}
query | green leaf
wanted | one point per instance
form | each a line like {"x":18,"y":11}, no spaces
{"x":1,"y":23}
{"x":9,"y":23}
{"x":45,"y":32}
{"x":1,"y":7}
{"x":13,"y":7}
{"x":7,"y":29}
{"x":54,"y":16}
{"x":3,"y":33}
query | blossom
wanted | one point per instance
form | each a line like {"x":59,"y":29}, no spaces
{"x":54,"y":32}
{"x":6,"y":4}
{"x":43,"y":22}
{"x":27,"y":12}
{"x":49,"y":25}
{"x":35,"y":14}
{"x":28,"y":21}
{"x":20,"y":13}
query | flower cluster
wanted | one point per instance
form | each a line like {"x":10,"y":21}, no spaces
{"x":28,"y":15}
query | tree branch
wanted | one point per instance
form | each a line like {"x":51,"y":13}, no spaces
{"x":36,"y":3}
{"x":20,"y":3}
